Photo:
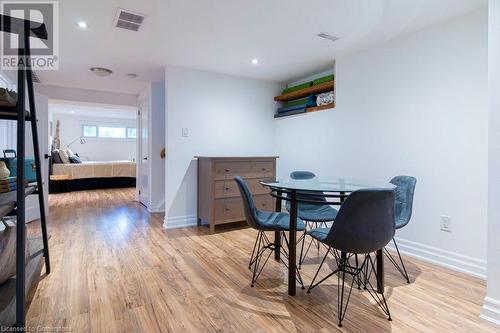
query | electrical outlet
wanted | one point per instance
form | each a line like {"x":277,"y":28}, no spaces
{"x":445,"y":223}
{"x":185,"y":132}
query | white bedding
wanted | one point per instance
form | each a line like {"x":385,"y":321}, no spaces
{"x":95,"y":169}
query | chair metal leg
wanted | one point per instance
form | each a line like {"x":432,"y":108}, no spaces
{"x":341,"y":309}
{"x":253,"y":251}
{"x":401,"y":269}
{"x":301,"y":256}
{"x":380,"y":300}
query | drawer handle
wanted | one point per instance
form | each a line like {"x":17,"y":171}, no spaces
{"x":226,"y":209}
{"x":227,"y":188}
{"x":227,"y":170}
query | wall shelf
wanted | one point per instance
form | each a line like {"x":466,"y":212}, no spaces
{"x":317,"y":89}
{"x":320,"y":108}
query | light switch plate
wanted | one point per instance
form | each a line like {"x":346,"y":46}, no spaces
{"x":446,"y":223}
{"x":185,"y":132}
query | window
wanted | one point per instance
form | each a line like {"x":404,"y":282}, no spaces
{"x":109,"y":132}
{"x":112,"y":132}
{"x":89,"y":131}
{"x":131,"y":132}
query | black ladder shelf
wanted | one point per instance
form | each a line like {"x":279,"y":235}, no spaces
{"x":16,"y":204}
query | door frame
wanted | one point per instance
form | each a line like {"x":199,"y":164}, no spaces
{"x":143,"y":98}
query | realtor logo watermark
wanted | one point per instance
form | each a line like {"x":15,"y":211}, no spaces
{"x":44,"y":53}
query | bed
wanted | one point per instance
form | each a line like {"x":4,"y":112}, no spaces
{"x":65,"y":177}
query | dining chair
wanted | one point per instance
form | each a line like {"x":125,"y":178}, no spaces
{"x":405,"y":189}
{"x":314,"y":215}
{"x":263,"y":221}
{"x":364,"y":224}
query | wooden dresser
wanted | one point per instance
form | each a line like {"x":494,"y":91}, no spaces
{"x":219,"y":200}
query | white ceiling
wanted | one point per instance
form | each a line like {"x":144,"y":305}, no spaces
{"x":92,"y":110}
{"x":224,"y":35}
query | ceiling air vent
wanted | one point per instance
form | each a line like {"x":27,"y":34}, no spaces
{"x":126,"y":19}
{"x":327,"y":36}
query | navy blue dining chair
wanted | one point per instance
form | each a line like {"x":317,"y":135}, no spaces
{"x":364,"y":224}
{"x":405,"y":190}
{"x":263,"y":221}
{"x":314,"y":215}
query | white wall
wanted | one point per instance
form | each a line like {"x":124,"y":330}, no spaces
{"x":85,"y":95}
{"x":416,"y":105}
{"x":491,"y":309}
{"x":225,"y":116}
{"x":96,"y":149}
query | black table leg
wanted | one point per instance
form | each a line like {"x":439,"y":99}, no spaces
{"x":277,"y":234}
{"x":380,"y":271}
{"x":292,"y":257}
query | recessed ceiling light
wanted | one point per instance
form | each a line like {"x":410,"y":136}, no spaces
{"x":100,"y":71}
{"x":255,"y":61}
{"x":82,"y":25}
{"x":132,"y":75}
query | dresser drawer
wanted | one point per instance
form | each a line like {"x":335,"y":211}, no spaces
{"x":231,"y":209}
{"x":228,"y":170}
{"x":264,"y":169}
{"x":229,"y":188}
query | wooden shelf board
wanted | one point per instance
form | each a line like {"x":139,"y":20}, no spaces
{"x":10,"y":113}
{"x":8,"y":290}
{"x":320,"y":88}
{"x":8,"y":200}
{"x":320,"y":108}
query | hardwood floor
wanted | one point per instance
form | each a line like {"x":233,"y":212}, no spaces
{"x":115,"y":269}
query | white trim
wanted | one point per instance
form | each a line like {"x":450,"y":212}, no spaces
{"x":158,"y":207}
{"x":180,"y":221}
{"x":491,"y":310}
{"x":452,"y":260}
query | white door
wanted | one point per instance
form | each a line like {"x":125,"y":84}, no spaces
{"x":143,"y":149}
{"x":42,"y":114}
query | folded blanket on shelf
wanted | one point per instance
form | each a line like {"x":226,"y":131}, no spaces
{"x":325,"y":98}
{"x":323,"y":79}
{"x":292,"y":112}
{"x":297,"y":87}
{"x":292,"y":108}
{"x":308,"y":101}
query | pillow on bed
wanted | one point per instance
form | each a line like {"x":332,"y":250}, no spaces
{"x":75,"y":159}
{"x":64,"y":156}
{"x":56,"y":158}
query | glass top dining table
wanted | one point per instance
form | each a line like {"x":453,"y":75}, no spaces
{"x":297,"y":191}
{"x":334,"y":185}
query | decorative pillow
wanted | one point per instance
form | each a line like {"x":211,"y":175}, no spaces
{"x":56,"y":158}
{"x":75,"y":159}
{"x":63,"y":154}
{"x":70,"y":152}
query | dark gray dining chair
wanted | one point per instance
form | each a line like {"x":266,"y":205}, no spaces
{"x":265,"y":221}
{"x":314,"y":215}
{"x":364,"y":224}
{"x":405,"y":190}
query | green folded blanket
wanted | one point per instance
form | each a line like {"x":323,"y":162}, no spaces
{"x":323,"y":79}
{"x":305,"y":100}
{"x":297,"y":87}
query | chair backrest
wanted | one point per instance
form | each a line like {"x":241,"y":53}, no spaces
{"x":365,"y":222}
{"x":302,"y":175}
{"x":248,"y":204}
{"x":305,"y":175}
{"x":405,"y":189}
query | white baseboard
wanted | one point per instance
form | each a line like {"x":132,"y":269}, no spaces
{"x":452,"y":260}
{"x":156,"y":207}
{"x":180,"y":221}
{"x":491,"y":310}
